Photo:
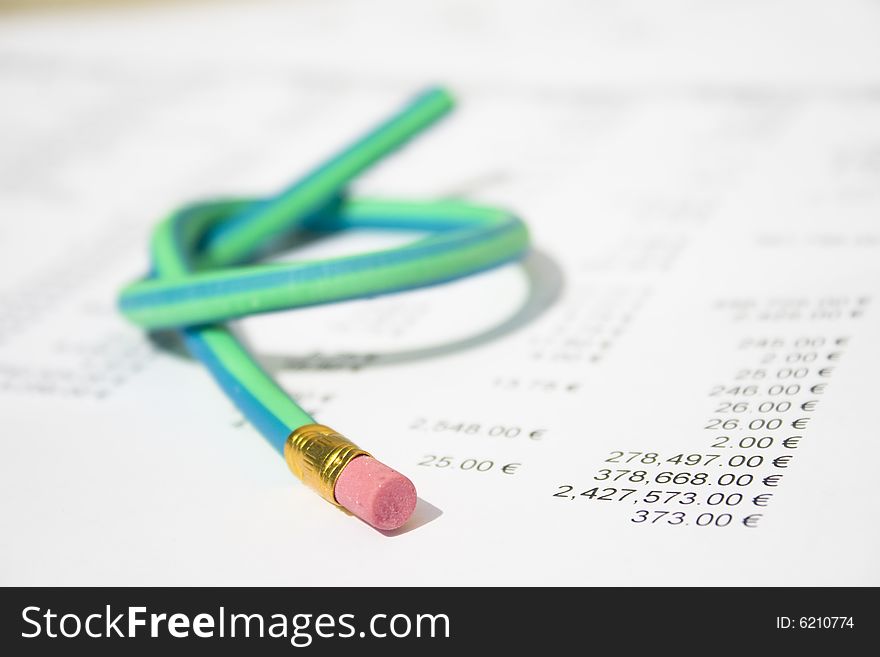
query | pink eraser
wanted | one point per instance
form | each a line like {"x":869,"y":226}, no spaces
{"x":375,"y":493}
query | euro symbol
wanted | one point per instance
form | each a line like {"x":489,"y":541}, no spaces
{"x":826,"y":371}
{"x":762,"y":499}
{"x":772,"y":480}
{"x":510,"y":468}
{"x":792,"y":442}
{"x":800,"y":423}
{"x":834,"y":355}
{"x":537,"y":434}
{"x":818,"y":389}
{"x":781,"y":461}
{"x":752,"y":520}
{"x":841,"y":341}
{"x":809,"y":405}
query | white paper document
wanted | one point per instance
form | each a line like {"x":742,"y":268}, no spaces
{"x":678,"y":385}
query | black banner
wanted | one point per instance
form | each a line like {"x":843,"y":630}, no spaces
{"x":434,"y":621}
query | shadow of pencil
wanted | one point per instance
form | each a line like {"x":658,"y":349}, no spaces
{"x":424,"y":513}
{"x":545,"y":281}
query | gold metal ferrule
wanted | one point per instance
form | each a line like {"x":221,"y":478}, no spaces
{"x":317,"y":455}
